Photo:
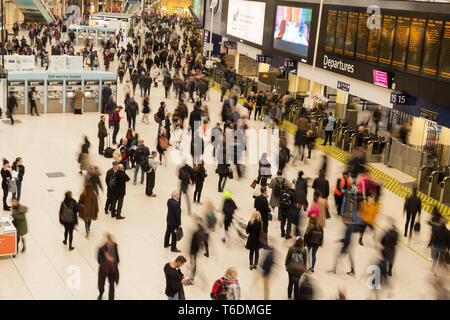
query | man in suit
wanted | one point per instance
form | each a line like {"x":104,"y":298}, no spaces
{"x":102,"y":134}
{"x":119,"y":191}
{"x":109,"y":193}
{"x":173,"y":221}
{"x":262,"y":205}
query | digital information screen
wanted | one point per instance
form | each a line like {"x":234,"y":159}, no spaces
{"x":373,"y":44}
{"x":292,"y":27}
{"x":444,"y":58}
{"x":331,"y":30}
{"x":415,"y":45}
{"x":361,"y":40}
{"x":401,"y":42}
{"x":350,"y":35}
{"x":387,"y":39}
{"x":340,"y":32}
{"x":246,"y":20}
{"x":433,"y":35}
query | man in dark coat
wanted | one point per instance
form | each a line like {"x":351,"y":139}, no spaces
{"x":119,"y":191}
{"x":195,"y":119}
{"x":11,"y":104}
{"x":322,"y":185}
{"x":109,"y":193}
{"x":262,"y":205}
{"x":108,"y":260}
{"x":199,"y":241}
{"x":106,"y":93}
{"x":102,"y":134}
{"x":173,"y":221}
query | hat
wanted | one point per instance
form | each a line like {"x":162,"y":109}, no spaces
{"x":116,"y":163}
{"x":226,"y":194}
{"x":5,"y":161}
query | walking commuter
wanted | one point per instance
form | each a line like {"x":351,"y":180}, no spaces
{"x":329,"y":128}
{"x":389,"y":243}
{"x":141,"y":154}
{"x":343,"y":185}
{"x":151,"y":173}
{"x":413,"y":206}
{"x":93,"y":177}
{"x":228,"y":209}
{"x":68,"y":217}
{"x":116,"y":122}
{"x":175,"y":279}
{"x":131,"y":109}
{"x":11,"y":104}
{"x":277,"y":185}
{"x":199,"y":176}
{"x":439,"y":242}
{"x":322,"y":185}
{"x":173,"y":221}
{"x":102,"y":134}
{"x":109,"y":187}
{"x":83,"y":158}
{"x":346,"y":244}
{"x":19,"y":221}
{"x":264,"y":170}
{"x":288,"y":211}
{"x":186,"y":176}
{"x":295,"y":263}
{"x":118,"y":184}
{"x":89,"y":202}
{"x":32,"y":97}
{"x":199,"y":241}
{"x":146,"y":109}
{"x":254,"y":230}
{"x":262,"y":205}
{"x":108,"y":260}
{"x":301,"y":192}
{"x":313,"y":239}
{"x":19,"y":169}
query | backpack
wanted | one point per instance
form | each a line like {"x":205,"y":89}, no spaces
{"x":315,"y":238}
{"x":68,"y":215}
{"x":219,"y":289}
{"x":285,"y":200}
{"x":278,"y":187}
{"x":117,"y":155}
{"x":211,"y":219}
{"x":145,"y":166}
{"x":140,"y":155}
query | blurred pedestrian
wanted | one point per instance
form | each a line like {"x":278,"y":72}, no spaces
{"x":108,"y":260}
{"x":295,"y":263}
{"x":89,"y":202}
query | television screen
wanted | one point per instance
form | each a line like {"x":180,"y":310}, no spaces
{"x":380,"y":78}
{"x":292,"y":29}
{"x":246,"y":20}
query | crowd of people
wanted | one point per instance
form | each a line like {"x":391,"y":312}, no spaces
{"x":173,"y":52}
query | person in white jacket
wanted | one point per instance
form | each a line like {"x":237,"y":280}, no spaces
{"x":177,"y":136}
{"x":154,"y":74}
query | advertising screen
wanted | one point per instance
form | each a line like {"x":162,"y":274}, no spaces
{"x":198,"y":6}
{"x":246,"y":20}
{"x":292,"y":27}
{"x":380,"y":78}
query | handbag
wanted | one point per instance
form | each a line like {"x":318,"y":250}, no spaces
{"x":230,"y":174}
{"x":179,"y":233}
{"x":262,"y":238}
{"x":253,"y":184}
{"x":417,"y":226}
{"x":12,"y":187}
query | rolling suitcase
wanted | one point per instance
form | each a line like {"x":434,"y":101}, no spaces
{"x":108,"y":153}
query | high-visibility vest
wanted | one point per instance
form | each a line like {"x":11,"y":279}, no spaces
{"x":343,"y":181}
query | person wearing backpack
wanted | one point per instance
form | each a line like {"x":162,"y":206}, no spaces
{"x":288,"y":210}
{"x":295,"y":263}
{"x":301,"y":191}
{"x":313,"y":239}
{"x":68,"y":217}
{"x":276,"y":184}
{"x":141,"y":154}
{"x":149,"y":166}
{"x":228,"y":209}
{"x":227,"y":287}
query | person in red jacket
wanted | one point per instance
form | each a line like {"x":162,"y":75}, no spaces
{"x":116,"y":122}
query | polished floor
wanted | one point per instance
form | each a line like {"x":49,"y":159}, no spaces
{"x":50,"y":143}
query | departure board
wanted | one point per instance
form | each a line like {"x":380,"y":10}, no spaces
{"x":401,"y":42}
{"x":415,"y":45}
{"x":444,"y":58}
{"x":373,"y":44}
{"x":361,"y":39}
{"x":331,"y":30}
{"x":387,"y":39}
{"x":350,"y":34}
{"x":340,"y":32}
{"x":433,"y":34}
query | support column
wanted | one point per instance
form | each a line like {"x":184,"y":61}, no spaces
{"x":444,"y":154}
{"x":341,"y":103}
{"x":236,"y":62}
{"x":418,"y":134}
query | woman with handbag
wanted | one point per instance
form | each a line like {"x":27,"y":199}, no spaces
{"x":313,"y":239}
{"x":255,"y":234}
{"x":89,"y":201}
{"x":295,"y":263}
{"x":6,"y":183}
{"x":68,"y":217}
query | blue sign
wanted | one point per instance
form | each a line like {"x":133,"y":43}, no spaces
{"x":402,"y":99}
{"x":343,"y":86}
{"x":290,"y":64}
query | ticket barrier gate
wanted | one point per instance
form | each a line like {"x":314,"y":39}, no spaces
{"x":445,"y":190}
{"x":422,"y":181}
{"x":39,"y":85}
{"x":18,"y":89}
{"x":347,"y":139}
{"x":352,"y":144}
{"x":71,"y":88}
{"x":340,"y":133}
{"x":375,"y":150}
{"x":54,"y":96}
{"x":91,"y":96}
{"x":434,"y":180}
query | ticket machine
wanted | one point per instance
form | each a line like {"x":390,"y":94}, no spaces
{"x":18,"y":89}
{"x":71,"y":88}
{"x":91,"y":96}
{"x":39,"y":85}
{"x":54,"y":96}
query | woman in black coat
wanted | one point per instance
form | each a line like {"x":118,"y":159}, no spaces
{"x":6,"y":174}
{"x":68,"y":216}
{"x":254,"y":228}
{"x":301,"y":191}
{"x":199,"y":178}
{"x":108,"y":260}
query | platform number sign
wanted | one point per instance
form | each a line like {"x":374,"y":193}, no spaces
{"x":402,"y":99}
{"x":290,"y":64}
